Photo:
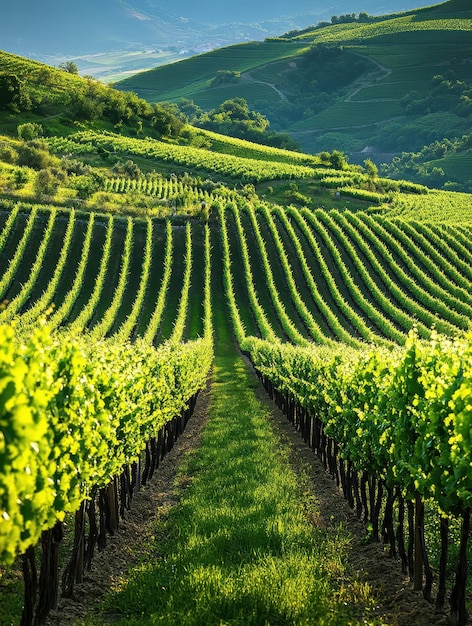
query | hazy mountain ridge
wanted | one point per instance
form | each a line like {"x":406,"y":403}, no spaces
{"x":65,"y":29}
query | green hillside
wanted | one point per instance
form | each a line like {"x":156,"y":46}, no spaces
{"x":140,"y":258}
{"x":365,"y":87}
{"x":61,"y":102}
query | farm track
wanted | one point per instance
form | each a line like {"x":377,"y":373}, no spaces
{"x":395,"y":601}
{"x":248,"y":78}
{"x":369,"y":79}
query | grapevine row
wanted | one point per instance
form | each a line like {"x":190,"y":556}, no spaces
{"x":258,"y":311}
{"x":151,"y":330}
{"x":161,"y":188}
{"x":348,"y":312}
{"x":249,"y":170}
{"x":384,"y":324}
{"x":80,"y":411}
{"x":20,"y":249}
{"x":19,"y":300}
{"x":456,"y":265}
{"x":287,"y":324}
{"x":9,"y":225}
{"x":305,"y":314}
{"x":179,"y":325}
{"x":126,"y":328}
{"x":31,"y":315}
{"x":69,"y":300}
{"x":238,"y":326}
{"x":459,"y":239}
{"x":404,"y":315}
{"x":101,"y":329}
{"x":87,"y":311}
{"x":388,"y":422}
{"x":426,"y":315}
{"x":439,"y":299}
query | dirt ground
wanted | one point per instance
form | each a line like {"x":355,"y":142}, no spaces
{"x":397,"y":604}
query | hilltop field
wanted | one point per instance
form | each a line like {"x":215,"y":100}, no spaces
{"x":150,"y":268}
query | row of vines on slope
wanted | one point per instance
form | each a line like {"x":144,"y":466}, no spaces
{"x":394,"y":428}
{"x":353,"y":288}
{"x":246,"y":169}
{"x":88,"y":417}
{"x":375,"y":294}
{"x":79,"y":301}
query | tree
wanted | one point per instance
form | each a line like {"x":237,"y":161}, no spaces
{"x":35,"y":154}
{"x":165,"y":120}
{"x":233,"y":117}
{"x":371,"y":169}
{"x":69,"y":66}
{"x":12,"y":93}
{"x":338,"y":160}
{"x":191,"y":110}
{"x":128,"y":169}
{"x":8,"y":154}
{"x":224,"y":77}
{"x":87,"y":184}
{"x":20,"y":177}
{"x":45,"y":183}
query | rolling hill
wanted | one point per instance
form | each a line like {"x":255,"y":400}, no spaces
{"x":366,"y":87}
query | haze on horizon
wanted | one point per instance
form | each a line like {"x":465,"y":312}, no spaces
{"x":63,"y":28}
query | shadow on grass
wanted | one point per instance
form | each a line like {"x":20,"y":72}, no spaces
{"x":239,"y":548}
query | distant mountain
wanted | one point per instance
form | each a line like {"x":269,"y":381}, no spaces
{"x":64,"y":28}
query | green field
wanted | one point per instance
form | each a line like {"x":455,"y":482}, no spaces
{"x":352,"y":114}
{"x":195,"y":73}
{"x":456,"y":165}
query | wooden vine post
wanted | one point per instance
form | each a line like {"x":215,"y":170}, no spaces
{"x":418,"y":567}
{"x":459,"y":614}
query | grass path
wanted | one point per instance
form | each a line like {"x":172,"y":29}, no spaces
{"x":243,"y":545}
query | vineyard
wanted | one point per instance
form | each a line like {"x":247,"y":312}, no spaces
{"x":85,"y":292}
{"x":377,"y":86}
{"x":140,"y":268}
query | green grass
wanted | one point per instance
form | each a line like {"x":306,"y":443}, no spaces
{"x":251,"y":92}
{"x":351,"y":114}
{"x":412,"y":55}
{"x":241,"y":547}
{"x":457,"y":166}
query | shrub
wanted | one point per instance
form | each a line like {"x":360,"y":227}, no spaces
{"x":21,"y":177}
{"x":8,"y":154}
{"x":45,"y":183}
{"x":86,"y":185}
{"x":29,"y":131}
{"x":36,"y":156}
